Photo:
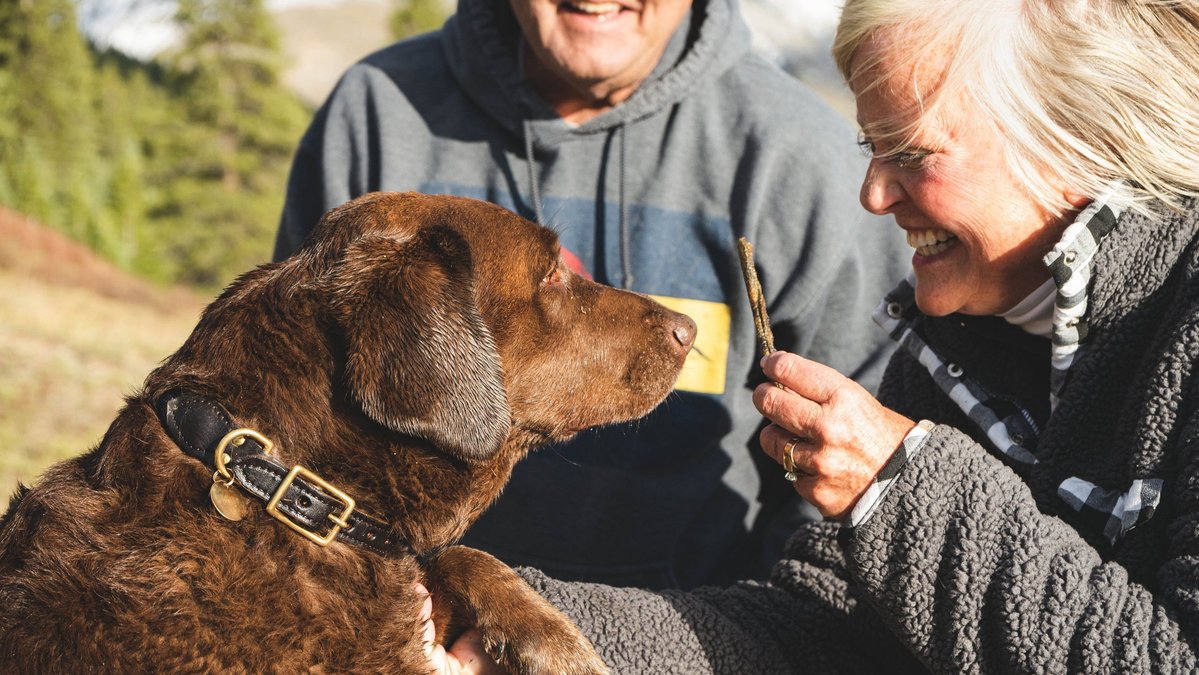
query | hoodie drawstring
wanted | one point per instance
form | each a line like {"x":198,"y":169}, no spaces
{"x":534,"y":189}
{"x":626,"y":271}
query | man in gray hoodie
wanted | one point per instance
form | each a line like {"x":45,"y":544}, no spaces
{"x":650,"y":137}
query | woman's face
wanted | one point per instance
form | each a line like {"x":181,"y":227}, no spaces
{"x":978,"y":236}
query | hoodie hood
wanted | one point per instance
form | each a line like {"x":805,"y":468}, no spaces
{"x":482,"y":44}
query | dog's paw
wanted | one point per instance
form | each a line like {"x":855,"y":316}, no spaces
{"x":547,"y":645}
{"x":520,"y":629}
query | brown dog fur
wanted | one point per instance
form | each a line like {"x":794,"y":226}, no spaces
{"x":411,"y":353}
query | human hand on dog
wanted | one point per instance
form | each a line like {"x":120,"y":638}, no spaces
{"x":466,"y":655}
{"x":845,"y":435}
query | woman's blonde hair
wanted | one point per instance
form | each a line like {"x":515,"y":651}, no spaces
{"x":1085,"y":91}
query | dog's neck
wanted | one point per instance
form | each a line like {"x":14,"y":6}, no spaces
{"x":292,"y":394}
{"x":244,"y":467}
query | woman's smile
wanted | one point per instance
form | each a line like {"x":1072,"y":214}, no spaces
{"x":930,"y":242}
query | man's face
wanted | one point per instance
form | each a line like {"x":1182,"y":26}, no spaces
{"x":598,"y":49}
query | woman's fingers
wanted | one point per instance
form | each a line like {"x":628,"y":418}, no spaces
{"x":787,"y":448}
{"x":829,"y":434}
{"x":795,"y":454}
{"x":428,"y":630}
{"x":811,"y":393}
{"x":465,"y":657}
{"x":787,"y":409}
{"x":469,"y":657}
{"x":811,"y":380}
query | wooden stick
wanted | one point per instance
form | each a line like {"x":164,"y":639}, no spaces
{"x":757,"y":301}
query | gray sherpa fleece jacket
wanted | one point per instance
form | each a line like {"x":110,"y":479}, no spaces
{"x":974,"y":561}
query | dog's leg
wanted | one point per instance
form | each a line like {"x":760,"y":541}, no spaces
{"x":522,"y":631}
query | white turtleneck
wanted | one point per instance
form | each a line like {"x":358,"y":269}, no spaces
{"x":1035,"y":313}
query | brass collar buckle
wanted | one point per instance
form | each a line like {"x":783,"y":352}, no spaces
{"x":248,"y":468}
{"x":339,"y":520}
{"x":237,"y":438}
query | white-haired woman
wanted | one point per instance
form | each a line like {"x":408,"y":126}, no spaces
{"x":1024,"y":494}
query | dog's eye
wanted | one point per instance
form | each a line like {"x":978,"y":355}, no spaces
{"x":554,"y":278}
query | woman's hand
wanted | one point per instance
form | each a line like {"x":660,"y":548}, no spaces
{"x":845,"y":436}
{"x":466,"y":655}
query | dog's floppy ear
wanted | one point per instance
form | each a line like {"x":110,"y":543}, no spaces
{"x":420,"y":360}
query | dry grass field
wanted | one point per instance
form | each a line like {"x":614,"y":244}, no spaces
{"x":76,"y":336}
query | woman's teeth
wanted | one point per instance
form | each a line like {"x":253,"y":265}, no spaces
{"x":930,"y":242}
{"x":594,"y":7}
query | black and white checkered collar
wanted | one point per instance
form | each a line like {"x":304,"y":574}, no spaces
{"x":1069,"y":263}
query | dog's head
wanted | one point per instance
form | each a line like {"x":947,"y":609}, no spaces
{"x":413,"y":350}
{"x":463,"y":326}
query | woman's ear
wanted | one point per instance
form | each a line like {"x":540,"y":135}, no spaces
{"x":1075,"y":199}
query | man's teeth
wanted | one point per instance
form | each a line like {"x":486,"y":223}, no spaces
{"x":929,"y":242}
{"x":595,"y":7}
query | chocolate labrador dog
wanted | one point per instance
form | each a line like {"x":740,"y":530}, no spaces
{"x":331,"y":427}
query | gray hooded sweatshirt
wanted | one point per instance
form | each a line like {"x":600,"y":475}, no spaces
{"x":718,"y":143}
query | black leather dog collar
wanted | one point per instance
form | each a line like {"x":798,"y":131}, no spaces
{"x":295,"y":496}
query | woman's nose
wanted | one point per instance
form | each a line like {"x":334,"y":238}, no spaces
{"x":880,"y":191}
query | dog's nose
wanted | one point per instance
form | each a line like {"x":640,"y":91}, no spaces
{"x":684,"y":332}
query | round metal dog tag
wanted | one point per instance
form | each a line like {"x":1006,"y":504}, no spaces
{"x":228,"y":501}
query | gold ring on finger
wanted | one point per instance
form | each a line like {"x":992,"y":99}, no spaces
{"x":792,"y":473}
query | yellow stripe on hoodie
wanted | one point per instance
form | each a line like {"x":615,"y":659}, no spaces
{"x":704,"y":371}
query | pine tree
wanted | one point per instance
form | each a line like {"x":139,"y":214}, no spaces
{"x":32,"y":179}
{"x":245,"y":125}
{"x":176,"y":168}
{"x":46,"y":87}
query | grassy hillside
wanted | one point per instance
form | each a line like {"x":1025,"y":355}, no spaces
{"x":76,"y":336}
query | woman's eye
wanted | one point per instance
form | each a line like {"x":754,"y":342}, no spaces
{"x":865,"y":146}
{"x":905,"y":159}
{"x":911,"y":159}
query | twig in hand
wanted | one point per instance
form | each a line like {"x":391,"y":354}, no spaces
{"x":757,"y":301}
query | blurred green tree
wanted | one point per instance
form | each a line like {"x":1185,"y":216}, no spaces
{"x":227,"y":191}
{"x":48,"y":130}
{"x":174,"y":168}
{"x":413,"y":17}
{"x":138,"y":111}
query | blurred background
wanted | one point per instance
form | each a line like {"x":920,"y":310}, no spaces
{"x":144,"y":150}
